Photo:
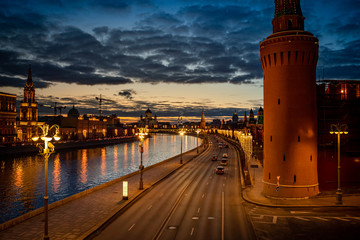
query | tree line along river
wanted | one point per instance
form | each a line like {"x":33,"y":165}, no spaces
{"x":73,"y":171}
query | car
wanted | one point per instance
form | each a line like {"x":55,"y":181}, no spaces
{"x":223,"y":162}
{"x":225,"y":155}
{"x":214,"y":158}
{"x":219,"y":170}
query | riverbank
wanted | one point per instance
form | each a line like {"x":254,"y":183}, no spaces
{"x":31,"y":149}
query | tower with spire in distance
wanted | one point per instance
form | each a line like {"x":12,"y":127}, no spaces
{"x":202,"y":122}
{"x":288,"y":59}
{"x":28,"y":106}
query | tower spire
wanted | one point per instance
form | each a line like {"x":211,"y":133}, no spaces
{"x":288,"y":16}
{"x":29,"y":82}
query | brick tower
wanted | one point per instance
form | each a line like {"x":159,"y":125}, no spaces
{"x":288,"y":58}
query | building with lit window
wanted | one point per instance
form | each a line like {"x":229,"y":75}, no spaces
{"x":7,"y":118}
{"x":338,"y":102}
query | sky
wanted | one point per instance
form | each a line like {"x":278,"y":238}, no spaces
{"x":175,"y":57}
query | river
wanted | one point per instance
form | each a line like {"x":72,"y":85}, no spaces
{"x":73,"y":171}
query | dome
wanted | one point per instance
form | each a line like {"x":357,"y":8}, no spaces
{"x":148,"y":111}
{"x":73,"y":113}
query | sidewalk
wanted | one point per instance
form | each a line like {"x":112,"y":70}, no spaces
{"x":85,"y":212}
{"x":254,"y":194}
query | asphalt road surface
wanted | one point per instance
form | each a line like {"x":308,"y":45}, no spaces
{"x":192,"y":203}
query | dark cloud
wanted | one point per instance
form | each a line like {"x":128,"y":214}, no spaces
{"x":127,"y":93}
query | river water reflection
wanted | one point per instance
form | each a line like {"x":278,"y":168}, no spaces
{"x":70,"y":172}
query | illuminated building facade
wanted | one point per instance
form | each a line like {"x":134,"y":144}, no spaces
{"x":338,"y":102}
{"x":148,"y":121}
{"x":288,"y":58}
{"x":202,"y":121}
{"x":7,"y":118}
{"x":27,"y":126}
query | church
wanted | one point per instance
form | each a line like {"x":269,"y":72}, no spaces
{"x":148,"y":121}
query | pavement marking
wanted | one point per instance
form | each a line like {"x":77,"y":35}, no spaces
{"x":149,"y":207}
{"x":274,"y":219}
{"x":342,"y":219}
{"x":195,"y":218}
{"x":222,"y":216}
{"x":264,"y":222}
{"x":304,"y":219}
{"x":211,"y":218}
{"x":198,"y":210}
{"x":207,"y":183}
{"x":192,"y":231}
{"x":131,"y":227}
{"x":261,"y":217}
{"x":223,"y":184}
{"x":203,"y":195}
{"x":294,"y":212}
{"x":261,"y":230}
{"x":321,"y":219}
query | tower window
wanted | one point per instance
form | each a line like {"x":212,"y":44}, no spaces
{"x":294,"y":178}
{"x":298,"y":138}
{"x":275,"y":58}
{"x":265,"y":60}
{"x":303,"y":56}
{"x":289,"y":55}
{"x":281,"y":57}
{"x":278,"y":101}
{"x":269,"y":175}
{"x":309,"y":58}
{"x":310,"y":158}
{"x":296,"y":55}
{"x":269,"y":60}
{"x":290,"y":24}
{"x":270,"y":138}
{"x":284,"y":159}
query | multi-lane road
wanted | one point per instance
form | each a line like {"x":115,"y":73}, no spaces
{"x":192,"y":203}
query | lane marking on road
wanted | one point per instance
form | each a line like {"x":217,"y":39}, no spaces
{"x":211,"y":218}
{"x":192,"y":231}
{"x":195,"y":218}
{"x":321,"y":219}
{"x":261,"y":217}
{"x":294,"y":212}
{"x":342,"y":219}
{"x":223,"y":184}
{"x":225,"y":178}
{"x":203,"y":195}
{"x":304,"y":219}
{"x":274,"y":219}
{"x":198,"y":210}
{"x":149,"y":207}
{"x":207,"y":183}
{"x":222,"y":216}
{"x":263,"y":222}
{"x":131,"y":227}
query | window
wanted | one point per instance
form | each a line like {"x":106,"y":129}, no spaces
{"x":270,"y":138}
{"x":298,"y":138}
{"x":284,"y":159}
{"x":278,"y":101}
{"x":310,"y":158}
{"x":294,"y":178}
{"x":269,"y":175}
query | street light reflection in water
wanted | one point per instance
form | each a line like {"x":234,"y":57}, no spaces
{"x":73,"y":171}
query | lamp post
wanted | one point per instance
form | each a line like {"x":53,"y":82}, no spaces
{"x":338,"y":129}
{"x":197,"y":148}
{"x":46,"y":149}
{"x":141,"y":134}
{"x":182,"y":132}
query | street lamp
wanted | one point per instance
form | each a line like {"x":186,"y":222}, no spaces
{"x":182,"y":132}
{"x":142,"y":133}
{"x":46,"y":149}
{"x":197,"y":148}
{"x":338,"y":129}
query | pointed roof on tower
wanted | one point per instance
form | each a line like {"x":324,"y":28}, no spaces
{"x":288,"y":16}
{"x":29,"y":81}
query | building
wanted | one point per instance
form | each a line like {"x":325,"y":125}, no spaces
{"x":202,"y":121}
{"x":76,"y":127}
{"x":338,"y":103}
{"x":148,"y":121}
{"x":7,"y":118}
{"x":27,"y":126}
{"x":288,"y":59}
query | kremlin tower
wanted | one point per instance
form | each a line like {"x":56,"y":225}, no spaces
{"x":28,"y":106}
{"x":288,"y":59}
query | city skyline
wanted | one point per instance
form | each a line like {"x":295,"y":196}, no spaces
{"x":175,"y":58}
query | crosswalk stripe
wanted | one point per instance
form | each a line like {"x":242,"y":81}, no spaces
{"x":321,"y":219}
{"x":342,"y":219}
{"x":304,"y":219}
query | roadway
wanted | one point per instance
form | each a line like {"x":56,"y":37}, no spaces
{"x":192,"y":203}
